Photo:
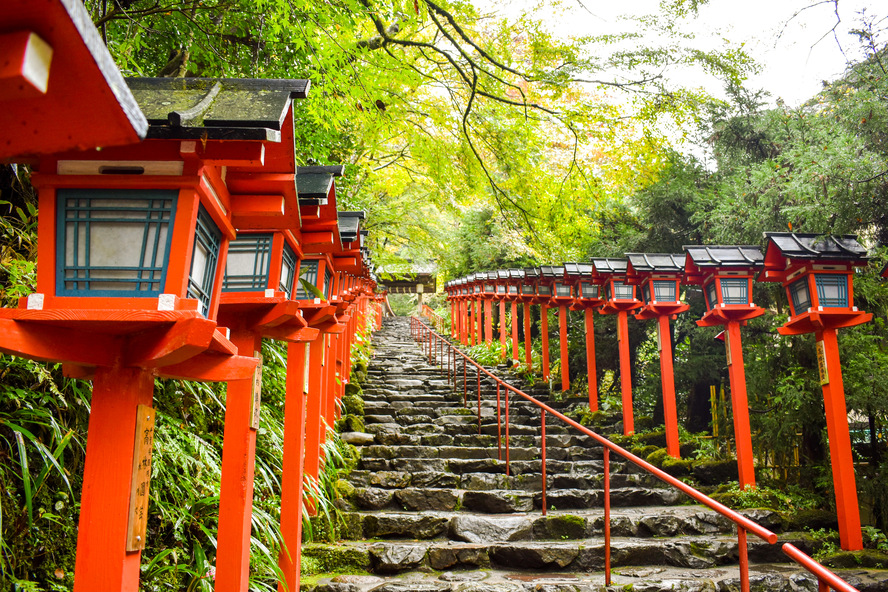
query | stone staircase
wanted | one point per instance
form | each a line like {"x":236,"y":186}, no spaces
{"x":431,"y":507}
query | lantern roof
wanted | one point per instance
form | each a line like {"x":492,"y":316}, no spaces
{"x":349,"y":225}
{"x":480,"y":276}
{"x":531,"y":272}
{"x":516,"y":274}
{"x":550,"y":271}
{"x":502,"y":274}
{"x":315,"y":183}
{"x":66,"y":72}
{"x":610,"y":265}
{"x":491,"y":275}
{"x":579,"y":269}
{"x":656,"y":262}
{"x":703,"y":260}
{"x":216,"y":108}
{"x":815,"y":246}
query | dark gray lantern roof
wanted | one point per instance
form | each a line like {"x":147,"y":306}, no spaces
{"x":531,"y":273}
{"x":549,"y":271}
{"x":314,"y":183}
{"x":654,"y":262}
{"x":216,"y":108}
{"x":579,"y":269}
{"x":607,"y":265}
{"x":349,"y":225}
{"x":491,"y":275}
{"x":516,"y":274}
{"x":502,"y":274}
{"x":816,"y":246}
{"x":725,"y":255}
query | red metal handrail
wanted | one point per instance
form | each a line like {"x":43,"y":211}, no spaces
{"x":826,"y":579}
{"x":436,"y":319}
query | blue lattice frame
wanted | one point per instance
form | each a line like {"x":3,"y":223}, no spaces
{"x":207,"y":234}
{"x":155,"y":215}
{"x":260,"y":245}
{"x":289,"y":263}
{"x":308,"y":271}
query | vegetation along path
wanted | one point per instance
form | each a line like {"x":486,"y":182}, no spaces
{"x":431,"y":508}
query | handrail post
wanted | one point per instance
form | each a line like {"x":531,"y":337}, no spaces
{"x":743,"y":551}
{"x":543,"y":449}
{"x":607,"y":518}
{"x":499,"y":432}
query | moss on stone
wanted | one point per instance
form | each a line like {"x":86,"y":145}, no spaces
{"x":677,"y":467}
{"x":657,"y":457}
{"x":334,"y":558}
{"x":564,"y":526}
{"x":350,"y":423}
{"x":869,"y":558}
{"x":354,"y":404}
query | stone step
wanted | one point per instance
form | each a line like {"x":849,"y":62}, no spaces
{"x":487,"y":481}
{"x":473,"y":527}
{"x":504,"y":501}
{"x":763,"y":577}
{"x":580,"y":555}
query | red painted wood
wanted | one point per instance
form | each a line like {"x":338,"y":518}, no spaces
{"x":293,"y":463}
{"x":565,"y":362}
{"x":667,"y":380}
{"x":625,"y":372}
{"x":502,"y":327}
{"x":170,"y":345}
{"x":591,"y":370}
{"x":210,"y":368}
{"x":515,"y":332}
{"x":841,"y":457}
{"x":39,"y":341}
{"x":102,"y":562}
{"x":740,"y":406}
{"x":488,"y":321}
{"x":313,"y":408}
{"x":182,"y":243}
{"x":528,"y":360}
{"x":236,"y":491}
{"x":544,"y":329}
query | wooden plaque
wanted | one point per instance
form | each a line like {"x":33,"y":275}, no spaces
{"x":728,"y":347}
{"x":257,"y":393}
{"x":141,"y":479}
{"x":821,"y":363}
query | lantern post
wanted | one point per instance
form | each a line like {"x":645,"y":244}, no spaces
{"x":619,"y":298}
{"x":658,"y":275}
{"x":488,"y":294}
{"x":502,"y":289}
{"x":479,"y":279}
{"x":513,"y":294}
{"x":547,"y":275}
{"x":817,"y":273}
{"x":131,"y":261}
{"x":586,"y":291}
{"x":529,"y":295}
{"x":726,"y":273}
{"x":563,"y":297}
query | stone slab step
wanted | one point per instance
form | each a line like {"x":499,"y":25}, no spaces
{"x":487,"y":481}
{"x":765,"y":577}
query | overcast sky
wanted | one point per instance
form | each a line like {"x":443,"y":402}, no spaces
{"x":796,"y":54}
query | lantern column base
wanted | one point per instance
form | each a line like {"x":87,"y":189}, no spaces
{"x":565,"y":366}
{"x":841,"y":458}
{"x":528,"y":348}
{"x":544,"y":329}
{"x":667,"y":380}
{"x":236,"y":490}
{"x":591,"y":370}
{"x":625,"y":372}
{"x":740,"y":406}
{"x":102,"y":562}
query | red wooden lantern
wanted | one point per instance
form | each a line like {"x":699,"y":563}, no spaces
{"x":132,"y":252}
{"x":488,"y":295}
{"x":586,"y":290}
{"x":726,"y":273}
{"x":561,"y":294}
{"x":658,"y":275}
{"x":817,"y":273}
{"x":618,"y":297}
{"x":513,"y":294}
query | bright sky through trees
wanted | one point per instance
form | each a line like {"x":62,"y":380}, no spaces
{"x":798,"y":43}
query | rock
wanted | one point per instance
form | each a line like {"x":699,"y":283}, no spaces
{"x":372,"y":498}
{"x":449,"y":556}
{"x":396,"y":557}
{"x":660,"y":525}
{"x":419,"y":500}
{"x":403,"y":525}
{"x":337,"y":587}
{"x":389,"y":479}
{"x":498,"y":502}
{"x":484,"y":587}
{"x":363,"y":580}
{"x":396,"y":438}
{"x":435,"y":479}
{"x":466,"y":576}
{"x":413,"y":587}
{"x":357,"y":438}
{"x":563,"y":526}
{"x":534,"y":555}
{"x":479,"y":529}
{"x":483,"y":481}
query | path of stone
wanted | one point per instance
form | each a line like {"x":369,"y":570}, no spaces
{"x":434,"y":511}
